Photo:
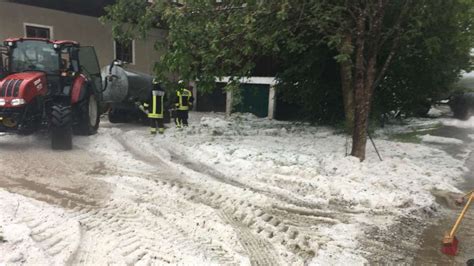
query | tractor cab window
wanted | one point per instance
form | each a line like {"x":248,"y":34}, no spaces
{"x":65,"y":64}
{"x":90,"y":66}
{"x":69,"y":63}
{"x":34,"y":56}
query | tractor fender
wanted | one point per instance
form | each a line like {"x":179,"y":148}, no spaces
{"x":79,"y":89}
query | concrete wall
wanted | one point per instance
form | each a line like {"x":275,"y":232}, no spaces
{"x":84,"y":29}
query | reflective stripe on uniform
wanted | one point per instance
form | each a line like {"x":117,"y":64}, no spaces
{"x":186,"y":93}
{"x":154,"y":112}
{"x":180,"y":101}
{"x":178,"y":123}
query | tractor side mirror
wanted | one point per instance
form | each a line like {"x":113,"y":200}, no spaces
{"x":121,"y":63}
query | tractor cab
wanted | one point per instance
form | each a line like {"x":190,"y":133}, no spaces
{"x":60,"y":61}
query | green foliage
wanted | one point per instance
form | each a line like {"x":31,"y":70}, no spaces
{"x":311,"y":79}
{"x":411,"y":137}
{"x":429,"y":62}
{"x":205,"y":42}
{"x":208,"y":40}
{"x":129,"y":18}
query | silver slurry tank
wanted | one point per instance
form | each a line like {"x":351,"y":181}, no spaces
{"x":125,"y":86}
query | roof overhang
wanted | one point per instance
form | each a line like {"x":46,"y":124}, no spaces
{"x":94,"y":8}
{"x":251,"y":80}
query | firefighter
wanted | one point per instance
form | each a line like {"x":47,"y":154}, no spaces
{"x":184,"y":101}
{"x":153,"y":107}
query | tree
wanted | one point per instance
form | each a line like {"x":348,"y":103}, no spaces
{"x":208,"y":39}
{"x":429,"y":63}
{"x":367,"y":41}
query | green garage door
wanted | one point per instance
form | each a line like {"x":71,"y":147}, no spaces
{"x":254,"y":99}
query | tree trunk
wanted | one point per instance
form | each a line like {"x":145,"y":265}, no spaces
{"x":359,"y":134}
{"x":367,"y":49}
{"x":346,"y":84}
{"x":363,"y":98}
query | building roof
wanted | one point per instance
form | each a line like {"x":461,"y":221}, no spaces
{"x":93,"y":8}
{"x":60,"y":42}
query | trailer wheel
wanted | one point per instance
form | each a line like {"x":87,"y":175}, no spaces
{"x":61,"y":127}
{"x":460,"y":107}
{"x":116,"y":116}
{"x":461,"y":112}
{"x":89,"y":117}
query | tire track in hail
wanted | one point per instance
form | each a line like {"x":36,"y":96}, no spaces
{"x":130,"y":233}
{"x":264,"y":227}
{"x":56,"y":234}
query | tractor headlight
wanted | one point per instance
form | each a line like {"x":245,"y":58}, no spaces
{"x":2,"y":102}
{"x":18,"y":101}
{"x":10,"y":44}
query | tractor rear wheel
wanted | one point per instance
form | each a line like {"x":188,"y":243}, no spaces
{"x":61,"y":127}
{"x":88,"y":115}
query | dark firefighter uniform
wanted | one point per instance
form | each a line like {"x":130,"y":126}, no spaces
{"x":154,"y":107}
{"x":184,"y":101}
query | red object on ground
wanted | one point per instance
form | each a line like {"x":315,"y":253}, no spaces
{"x":450,"y":249}
{"x":460,"y":201}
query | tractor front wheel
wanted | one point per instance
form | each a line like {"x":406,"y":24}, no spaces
{"x":61,"y":127}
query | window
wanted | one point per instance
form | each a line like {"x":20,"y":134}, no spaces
{"x":90,"y":64}
{"x":69,"y":59}
{"x":37,"y":31}
{"x":34,"y":55}
{"x":124,"y":51}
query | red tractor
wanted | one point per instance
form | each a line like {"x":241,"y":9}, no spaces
{"x":53,"y":85}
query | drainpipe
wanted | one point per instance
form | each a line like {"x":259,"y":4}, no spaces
{"x":271,"y":101}
{"x":195,"y":103}
{"x":228,"y":103}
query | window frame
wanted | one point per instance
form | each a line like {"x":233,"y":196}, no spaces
{"x":50,"y":28}
{"x":133,"y":52}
